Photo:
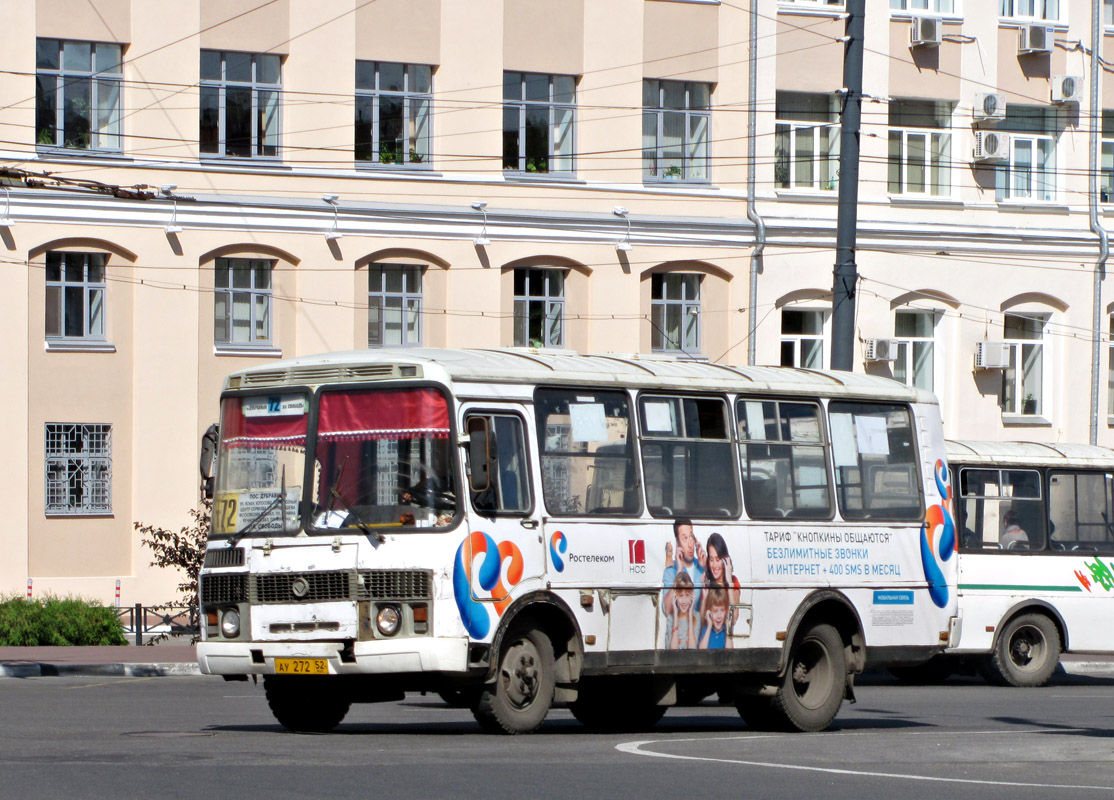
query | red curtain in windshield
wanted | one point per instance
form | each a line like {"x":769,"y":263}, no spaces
{"x":405,"y":414}
{"x":238,"y":430}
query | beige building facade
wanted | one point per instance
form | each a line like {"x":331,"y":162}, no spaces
{"x":189,"y":194}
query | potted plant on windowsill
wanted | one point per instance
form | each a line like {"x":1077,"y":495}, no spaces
{"x":1029,"y":404}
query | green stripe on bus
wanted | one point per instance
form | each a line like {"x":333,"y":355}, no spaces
{"x":1017,"y":587}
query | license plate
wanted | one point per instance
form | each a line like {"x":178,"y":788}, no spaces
{"x":301,"y":666}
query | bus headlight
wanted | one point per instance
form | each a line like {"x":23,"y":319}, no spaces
{"x":230,"y":623}
{"x":388,"y":620}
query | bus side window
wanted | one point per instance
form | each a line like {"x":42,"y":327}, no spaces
{"x":1079,"y":507}
{"x":507,"y":490}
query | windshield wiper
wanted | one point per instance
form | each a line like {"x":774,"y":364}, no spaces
{"x":280,"y":498}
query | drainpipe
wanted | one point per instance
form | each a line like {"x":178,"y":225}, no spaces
{"x":752,"y":214}
{"x":1096,"y":226}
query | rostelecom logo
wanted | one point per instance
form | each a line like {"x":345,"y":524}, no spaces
{"x":558,"y":546}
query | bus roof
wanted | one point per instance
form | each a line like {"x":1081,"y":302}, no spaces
{"x":1029,"y":454}
{"x":544,"y":366}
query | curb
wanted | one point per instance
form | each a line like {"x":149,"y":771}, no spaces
{"x":40,"y":670}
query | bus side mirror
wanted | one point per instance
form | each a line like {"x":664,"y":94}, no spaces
{"x":479,"y":454}
{"x":208,"y":460}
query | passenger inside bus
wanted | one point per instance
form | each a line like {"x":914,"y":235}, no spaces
{"x":1013,"y":536}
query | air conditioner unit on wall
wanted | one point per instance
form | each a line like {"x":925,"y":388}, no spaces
{"x":992,"y":355}
{"x":990,"y":146}
{"x":925,"y":31}
{"x":879,"y":349}
{"x":1067,"y":89}
{"x":1034,"y":39}
{"x":990,"y":106}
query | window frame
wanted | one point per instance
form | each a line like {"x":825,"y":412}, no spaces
{"x":520,"y":106}
{"x":1007,"y":11}
{"x":63,"y":78}
{"x":1007,"y":476}
{"x":907,"y":347}
{"x":902,"y":7}
{"x":550,"y":303}
{"x":526,"y":470}
{"x":1017,"y":347}
{"x":657,"y":169}
{"x":412,"y":158}
{"x":405,"y":296}
{"x":229,"y":291}
{"x":91,"y":468}
{"x":797,"y":339}
{"x":661,"y":306}
{"x":939,"y":160}
{"x":87,"y":287}
{"x":256,"y":87}
{"x":823,"y":167}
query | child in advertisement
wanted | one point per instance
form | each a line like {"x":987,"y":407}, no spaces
{"x":715,"y":621}
{"x":685,"y":622}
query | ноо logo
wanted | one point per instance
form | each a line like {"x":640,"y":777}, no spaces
{"x":636,"y":556}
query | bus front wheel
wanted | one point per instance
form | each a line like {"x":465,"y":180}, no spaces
{"x":305,"y":704}
{"x":520,"y":697}
{"x":1026,"y":653}
{"x":811,"y":690}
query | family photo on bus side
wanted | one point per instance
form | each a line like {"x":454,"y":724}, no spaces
{"x":701,"y":590}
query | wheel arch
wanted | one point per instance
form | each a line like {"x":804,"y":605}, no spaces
{"x":554,"y":617}
{"x":832,"y":607}
{"x":1036,"y":606}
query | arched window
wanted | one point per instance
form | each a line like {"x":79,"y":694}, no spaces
{"x":242,"y":301}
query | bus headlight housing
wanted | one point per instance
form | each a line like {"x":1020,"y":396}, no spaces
{"x":230,"y":623}
{"x":388,"y":620}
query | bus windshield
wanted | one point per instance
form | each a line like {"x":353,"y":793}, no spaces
{"x":262,"y":464}
{"x":383,"y":460}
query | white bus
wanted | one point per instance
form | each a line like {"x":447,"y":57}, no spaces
{"x":518,"y":528}
{"x":1036,"y":538}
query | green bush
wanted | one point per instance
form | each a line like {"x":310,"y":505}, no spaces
{"x":58,"y":622}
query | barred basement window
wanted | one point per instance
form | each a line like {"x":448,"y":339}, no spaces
{"x":78,"y":468}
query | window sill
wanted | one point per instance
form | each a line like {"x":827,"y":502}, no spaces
{"x":79,"y":514}
{"x":1026,"y":420}
{"x":807,"y":195}
{"x":81,"y":152}
{"x":658,"y":183}
{"x":936,"y":202}
{"x":371,"y":166}
{"x":542,"y":177}
{"x":270,"y":162}
{"x":247,"y":351}
{"x":955,"y":19}
{"x":78,"y":346}
{"x":806,"y":11}
{"x":1035,"y":206}
{"x":1017,"y":22}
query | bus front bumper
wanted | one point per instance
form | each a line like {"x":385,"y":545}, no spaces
{"x":400,"y":656}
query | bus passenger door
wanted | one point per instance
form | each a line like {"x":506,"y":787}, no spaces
{"x":502,"y":513}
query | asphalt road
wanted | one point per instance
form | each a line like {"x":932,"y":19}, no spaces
{"x":199,"y":737}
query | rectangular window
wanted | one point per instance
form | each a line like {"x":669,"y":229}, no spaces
{"x":806,"y":141}
{"x":785,"y":472}
{"x":1030,"y":173}
{"x":240,"y":101}
{"x":686,"y":457}
{"x":393,"y":113}
{"x":1045,"y":10}
{"x":1023,"y":380}
{"x":508,"y":484}
{"x":539,"y":308}
{"x":874,"y":448}
{"x":920,"y":159}
{"x":675,"y":312}
{"x":1108,"y":12}
{"x":1106,"y":172}
{"x":394,"y":305}
{"x":1000,"y":509}
{"x":929,"y":6}
{"x":587,"y":452}
{"x":802,"y":339}
{"x":914,"y":331}
{"x":1110,"y":374}
{"x":539,"y":118}
{"x":813,"y":3}
{"x":242,"y":301}
{"x":1080,"y":507}
{"x":75,"y":294}
{"x":676,"y":128}
{"x":78,"y":469}
{"x":77,"y":94}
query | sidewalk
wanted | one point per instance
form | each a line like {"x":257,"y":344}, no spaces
{"x":129,"y":660}
{"x":181,"y":659}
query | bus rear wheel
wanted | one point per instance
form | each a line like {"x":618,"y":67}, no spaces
{"x":811,"y":690}
{"x":306,"y":704}
{"x":519,"y":699}
{"x":1026,"y":653}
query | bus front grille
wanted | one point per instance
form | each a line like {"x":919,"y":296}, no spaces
{"x":225,"y":557}
{"x":224,"y":588}
{"x":303,"y":587}
{"x":396,"y":584}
